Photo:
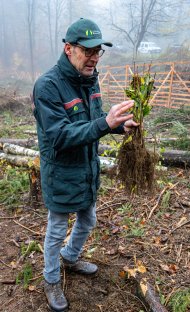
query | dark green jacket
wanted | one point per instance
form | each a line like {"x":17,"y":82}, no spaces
{"x":70,"y":122}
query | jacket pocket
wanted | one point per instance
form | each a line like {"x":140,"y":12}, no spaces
{"x":69,"y":185}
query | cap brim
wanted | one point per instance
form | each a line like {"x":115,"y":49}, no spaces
{"x":94,"y":43}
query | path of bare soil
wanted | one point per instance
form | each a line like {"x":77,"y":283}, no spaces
{"x":124,"y":236}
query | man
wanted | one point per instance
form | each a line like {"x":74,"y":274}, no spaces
{"x":70,"y":121}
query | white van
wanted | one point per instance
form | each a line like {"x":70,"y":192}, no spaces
{"x":148,"y":47}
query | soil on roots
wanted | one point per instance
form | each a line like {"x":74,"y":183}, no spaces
{"x":136,"y":165}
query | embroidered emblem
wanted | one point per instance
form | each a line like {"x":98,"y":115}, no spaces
{"x":75,"y":108}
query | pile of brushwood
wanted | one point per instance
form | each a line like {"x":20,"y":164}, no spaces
{"x":136,"y":165}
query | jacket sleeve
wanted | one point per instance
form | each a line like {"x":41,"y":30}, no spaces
{"x":54,"y":121}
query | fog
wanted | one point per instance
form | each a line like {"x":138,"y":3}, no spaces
{"x":31,"y":31}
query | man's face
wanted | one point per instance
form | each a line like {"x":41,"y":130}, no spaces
{"x":83,"y":59}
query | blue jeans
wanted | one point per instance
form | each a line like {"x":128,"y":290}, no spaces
{"x":55,"y":235}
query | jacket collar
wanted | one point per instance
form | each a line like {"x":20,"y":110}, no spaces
{"x":74,"y":76}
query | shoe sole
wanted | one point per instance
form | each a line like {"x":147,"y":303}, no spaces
{"x":52,"y":310}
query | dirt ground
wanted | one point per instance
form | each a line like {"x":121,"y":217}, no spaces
{"x":147,"y":230}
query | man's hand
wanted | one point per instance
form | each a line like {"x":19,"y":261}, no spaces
{"x":129,"y":124}
{"x":117,"y":115}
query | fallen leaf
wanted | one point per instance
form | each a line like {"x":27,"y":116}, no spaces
{"x":125,"y":227}
{"x":126,"y":268}
{"x":122,"y":274}
{"x":13,"y":264}
{"x":31,"y":287}
{"x":143,"y":286}
{"x":36,"y":162}
{"x":165,"y":267}
{"x":111,"y":252}
{"x":105,"y":237}
{"x":121,"y":250}
{"x":181,"y":221}
{"x":132,"y":272}
{"x":140,"y":267}
{"x":115,"y":230}
{"x":157,"y":240}
{"x":143,"y":221}
{"x":173,"y":268}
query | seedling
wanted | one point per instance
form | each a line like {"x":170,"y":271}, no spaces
{"x":137,"y":165}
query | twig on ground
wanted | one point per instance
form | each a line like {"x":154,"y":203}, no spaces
{"x":37,"y":233}
{"x":8,"y":266}
{"x":177,"y":227}
{"x":8,"y":281}
{"x":159,"y":197}
{"x":108,"y":207}
{"x":4,"y":218}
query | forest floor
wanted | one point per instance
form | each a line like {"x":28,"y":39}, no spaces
{"x":150,"y":231}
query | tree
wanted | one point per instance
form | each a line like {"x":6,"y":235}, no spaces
{"x":54,"y":10}
{"x":31,"y":10}
{"x":142,"y":18}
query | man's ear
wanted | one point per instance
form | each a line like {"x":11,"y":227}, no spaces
{"x":67,"y":49}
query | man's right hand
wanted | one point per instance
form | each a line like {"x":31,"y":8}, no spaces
{"x":117,"y":114}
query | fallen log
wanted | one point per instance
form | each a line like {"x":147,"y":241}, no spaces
{"x":34,"y":162}
{"x":21,"y":142}
{"x":145,"y":291}
{"x":175,"y":158}
{"x":17,"y":160}
{"x":19,"y":150}
{"x":31,"y":132}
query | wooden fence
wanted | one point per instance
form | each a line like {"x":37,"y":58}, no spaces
{"x":172,"y":82}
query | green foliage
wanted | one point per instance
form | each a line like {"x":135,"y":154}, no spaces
{"x":7,"y":117}
{"x":166,"y":199}
{"x":14,"y":182}
{"x":26,"y":250}
{"x":180,"y":301}
{"x":169,"y":115}
{"x":140,"y":90}
{"x":96,"y":235}
{"x":11,"y":122}
{"x":125,"y":208}
{"x":179,"y":129}
{"x":172,"y":122}
{"x":133,"y":228}
{"x":113,"y":150}
{"x":162,"y":299}
{"x":105,"y":186}
{"x":24,"y":276}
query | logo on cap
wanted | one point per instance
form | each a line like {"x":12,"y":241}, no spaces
{"x":90,"y":32}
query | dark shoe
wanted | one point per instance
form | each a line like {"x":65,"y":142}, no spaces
{"x":55,"y":297}
{"x":81,"y":267}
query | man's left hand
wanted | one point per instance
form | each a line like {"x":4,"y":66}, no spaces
{"x":130,"y":124}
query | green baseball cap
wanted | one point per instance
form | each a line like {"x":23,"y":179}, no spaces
{"x":86,"y":33}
